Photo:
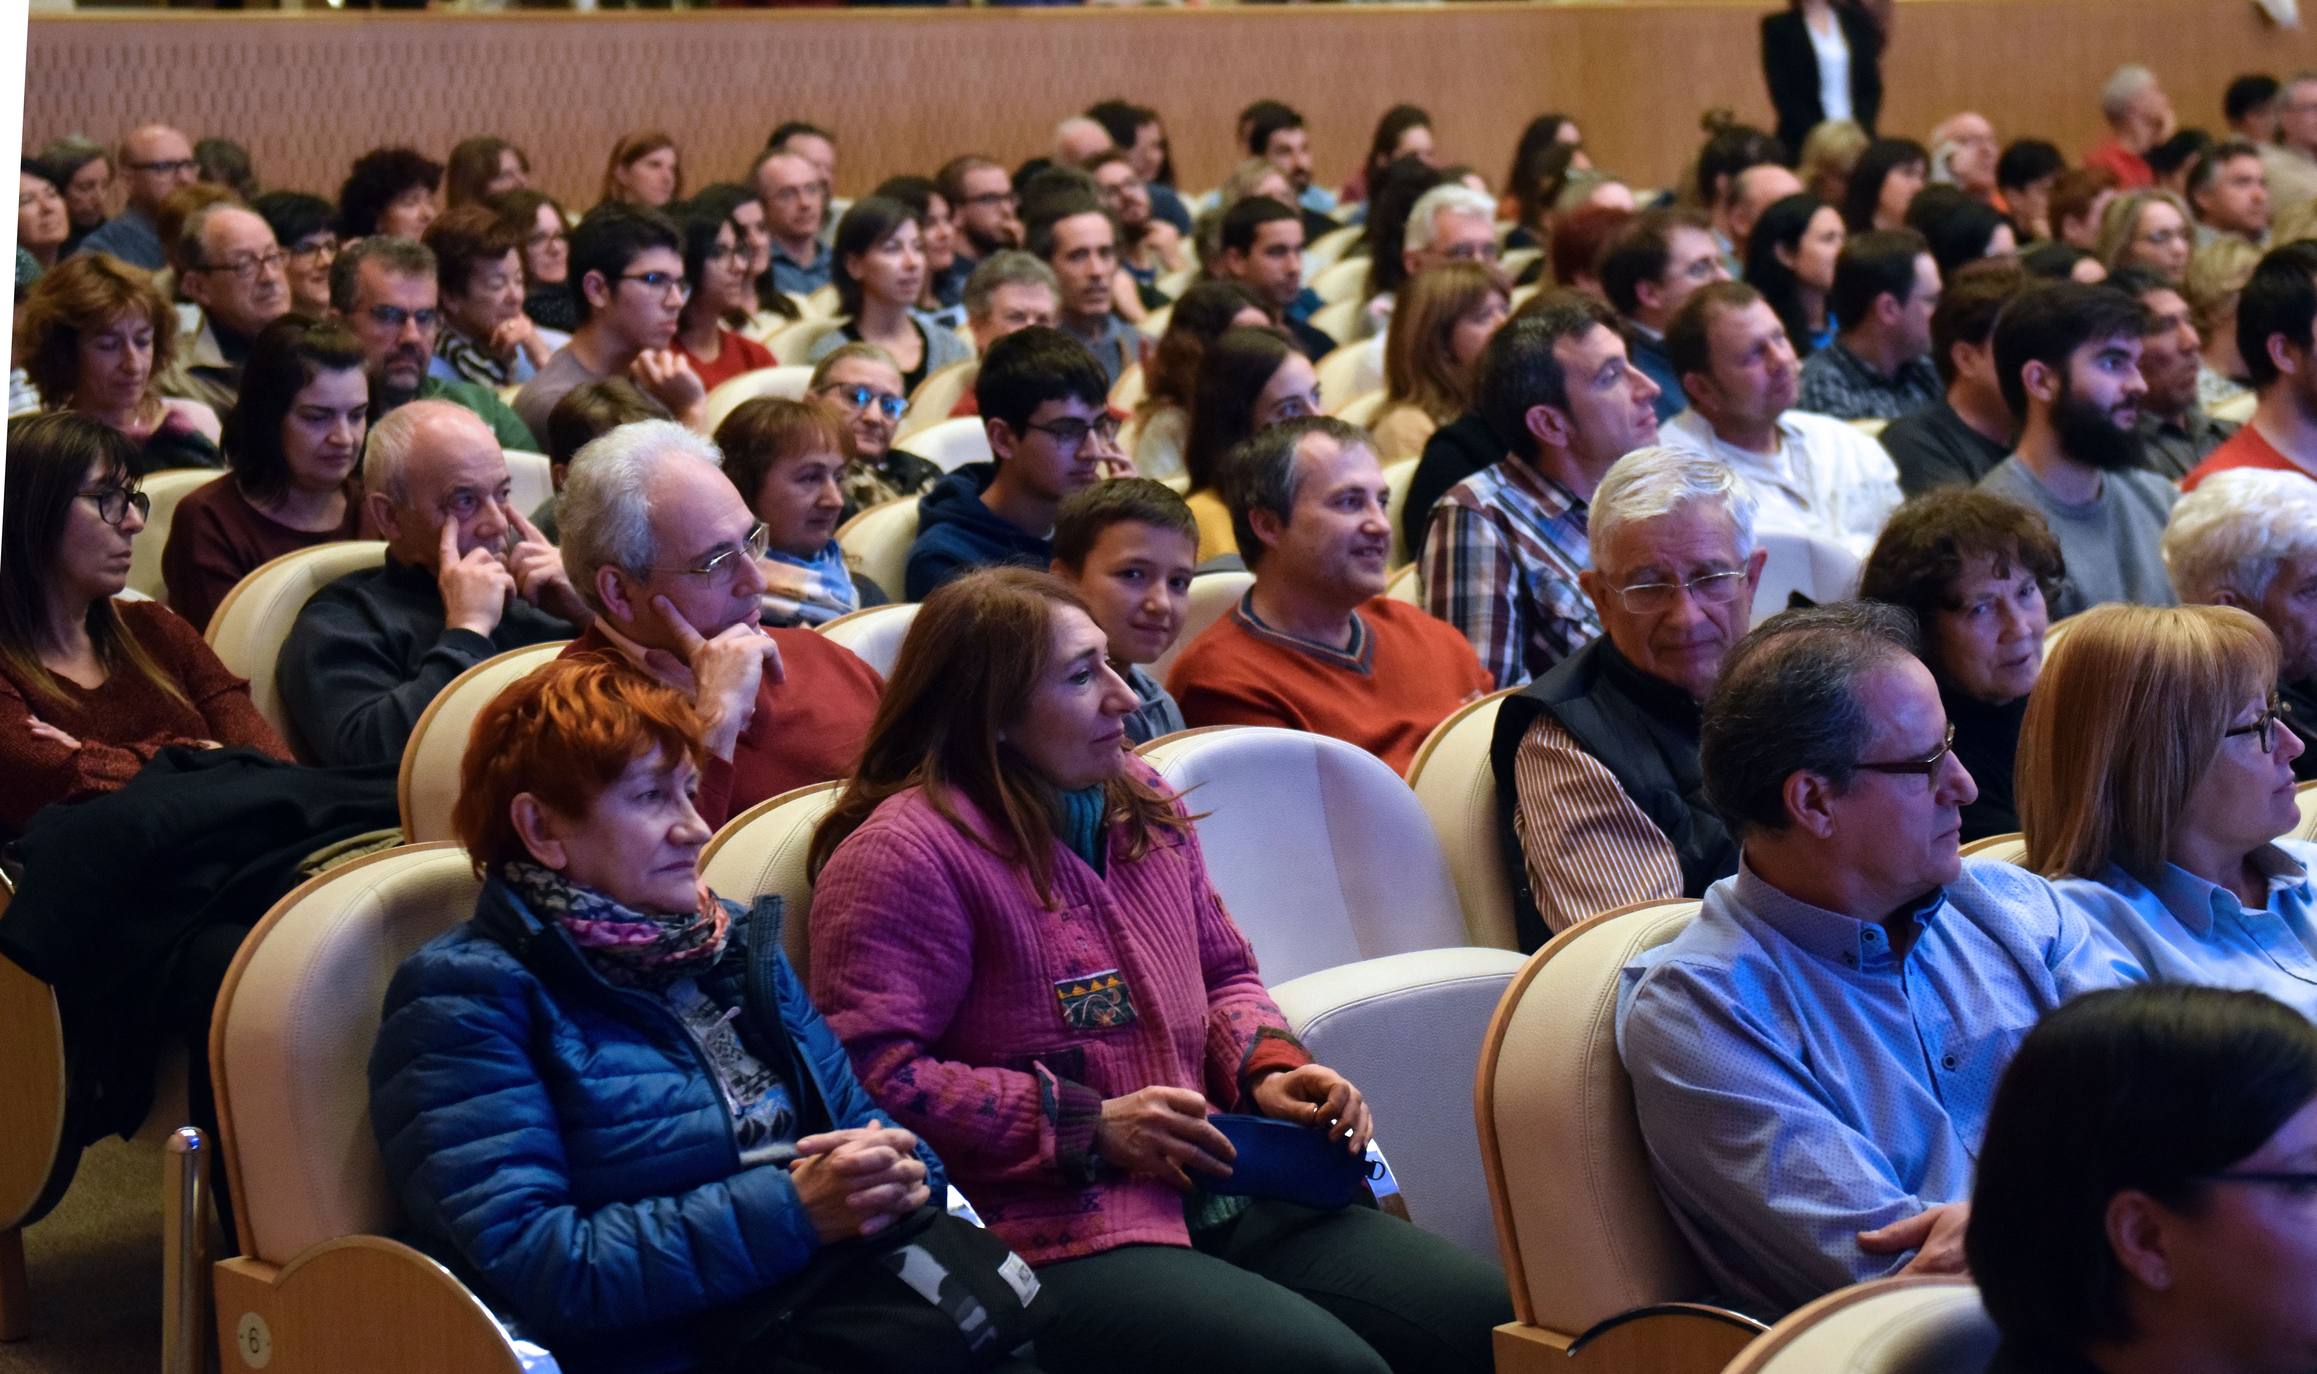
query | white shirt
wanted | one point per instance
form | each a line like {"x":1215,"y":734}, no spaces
{"x":1833,"y":52}
{"x":1827,"y":477}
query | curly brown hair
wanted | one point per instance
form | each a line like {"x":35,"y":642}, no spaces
{"x":1930,"y":540}
{"x":86,"y":291}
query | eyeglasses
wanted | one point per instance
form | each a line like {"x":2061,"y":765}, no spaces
{"x":1927,"y":767}
{"x":1473,"y":252}
{"x":659,"y":281}
{"x":1707,"y":589}
{"x":2264,"y":725}
{"x":751,"y":546}
{"x":249,"y":266}
{"x":175,"y":167}
{"x":861,"y":397}
{"x":994,"y":198}
{"x":538,"y":239}
{"x":394,"y":317}
{"x":309,"y":248}
{"x":113,"y":503}
{"x":1071,"y":435}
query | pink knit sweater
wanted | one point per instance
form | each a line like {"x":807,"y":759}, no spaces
{"x":995,"y":1027}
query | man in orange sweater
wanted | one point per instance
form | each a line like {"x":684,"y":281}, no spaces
{"x":1315,"y":645}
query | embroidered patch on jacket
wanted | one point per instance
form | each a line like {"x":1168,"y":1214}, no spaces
{"x":1096,"y":1001}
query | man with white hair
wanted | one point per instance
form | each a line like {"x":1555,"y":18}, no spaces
{"x":466,"y":577}
{"x":1964,"y":153}
{"x":2139,"y":116}
{"x":667,"y":556}
{"x":1449,"y":223}
{"x":1596,"y":764}
{"x":2248,"y":538}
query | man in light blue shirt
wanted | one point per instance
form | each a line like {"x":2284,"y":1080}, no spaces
{"x":1813,"y":1058}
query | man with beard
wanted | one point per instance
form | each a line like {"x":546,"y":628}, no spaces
{"x":982,"y":200}
{"x":239,"y":277}
{"x":627,"y":271}
{"x":1079,"y":241}
{"x":2275,"y":315}
{"x":2177,"y":432}
{"x":2068,"y":356}
{"x":384,"y":288}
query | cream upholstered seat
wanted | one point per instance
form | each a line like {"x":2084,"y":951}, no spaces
{"x":2305,"y":796}
{"x":874,"y":633}
{"x":1338,"y":373}
{"x":763,"y":850}
{"x":2008,"y":848}
{"x":935,"y":397}
{"x":1338,"y":319}
{"x":952,"y":444}
{"x":165,"y":489}
{"x":1455,"y":783}
{"x":256,"y":616}
{"x":1341,"y":280}
{"x":1870,"y":425}
{"x":1406,"y":585}
{"x":1597,"y":1268}
{"x":1820,"y":569}
{"x":1912,"y":1325}
{"x":428,"y":785}
{"x":1327,"y":250}
{"x":795,"y":340}
{"x":317,"y":1284}
{"x":1212,"y":597}
{"x":1516,"y":262}
{"x":1319,"y":850}
{"x":1362,"y":410}
{"x":1127,"y":392}
{"x":530,"y":480}
{"x":876,"y":542}
{"x":1154,"y":324}
{"x":786,"y":381}
{"x":1397,"y":479}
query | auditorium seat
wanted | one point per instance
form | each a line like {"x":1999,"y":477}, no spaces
{"x":935,"y":397}
{"x":1870,"y":426}
{"x":1820,"y":569}
{"x":1917,"y":1324}
{"x":428,"y":785}
{"x":1343,"y":280}
{"x":1213,"y":595}
{"x":1329,"y":249}
{"x":1518,"y":261}
{"x":786,"y":382}
{"x":2305,"y":796}
{"x":1338,"y":373}
{"x":951,"y":444}
{"x":795,"y":340}
{"x":1154,"y":325}
{"x":318,"y":1284}
{"x":166,"y":489}
{"x":763,"y":850}
{"x":1361,"y":410}
{"x":876,"y":542}
{"x":1173,"y":284}
{"x":1456,"y":785}
{"x":2010,"y":848}
{"x":1398,"y":477}
{"x":1339,"y":320}
{"x":1602,"y":1282}
{"x":874,"y":633}
{"x":256,"y":616}
{"x":530,"y":480}
{"x":823,"y":302}
{"x":1406,"y":585}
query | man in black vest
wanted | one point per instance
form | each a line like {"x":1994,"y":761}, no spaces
{"x":1596,"y":763}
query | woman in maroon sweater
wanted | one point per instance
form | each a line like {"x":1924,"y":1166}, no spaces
{"x":92,"y":688}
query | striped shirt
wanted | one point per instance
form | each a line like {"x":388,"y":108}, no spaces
{"x":1501,"y":559}
{"x":1587,"y":846}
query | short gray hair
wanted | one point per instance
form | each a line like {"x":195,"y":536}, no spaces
{"x":386,"y":458}
{"x":1262,"y":473}
{"x":1657,"y":481}
{"x":402,"y":257}
{"x":605,"y":519}
{"x":1008,"y":267}
{"x":2236,"y":530}
{"x":2125,"y":85}
{"x":1455,"y":198}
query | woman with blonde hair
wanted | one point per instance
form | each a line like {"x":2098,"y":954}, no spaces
{"x":2217,"y":274}
{"x":1443,"y":320}
{"x":92,"y":336}
{"x":2156,"y":785}
{"x":1830,"y":152}
{"x":2150,"y":230}
{"x":644,"y":169}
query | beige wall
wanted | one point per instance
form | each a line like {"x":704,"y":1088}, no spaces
{"x":905,"y":89}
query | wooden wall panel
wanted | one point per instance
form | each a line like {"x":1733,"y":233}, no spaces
{"x":905,"y":89}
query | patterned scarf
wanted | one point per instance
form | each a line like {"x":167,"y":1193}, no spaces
{"x":630,"y":948}
{"x":813,"y":591}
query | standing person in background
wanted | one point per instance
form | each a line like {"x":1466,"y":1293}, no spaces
{"x":1823,"y":60}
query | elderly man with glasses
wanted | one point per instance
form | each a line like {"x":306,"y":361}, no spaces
{"x":1814,"y":1056}
{"x":237,"y":274}
{"x":155,"y":160}
{"x":627,"y":279}
{"x":386,"y":291}
{"x":465,"y":577}
{"x":666,"y":554}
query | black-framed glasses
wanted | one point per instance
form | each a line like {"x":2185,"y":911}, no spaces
{"x":2264,"y":725}
{"x":394,"y":317}
{"x":174,"y":167}
{"x":249,"y":266}
{"x":751,"y":546}
{"x":114,"y":503}
{"x":659,"y":281}
{"x":861,"y":397}
{"x":1707,"y":589}
{"x":1927,"y":766}
{"x":325,"y":246}
{"x":1070,"y":434}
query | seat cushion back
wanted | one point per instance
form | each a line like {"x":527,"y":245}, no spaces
{"x":763,"y":850}
{"x":165,"y":489}
{"x":786,"y":382}
{"x":1319,"y":850}
{"x":530,"y":480}
{"x":935,"y":397}
{"x":1455,"y":782}
{"x":290,"y":1044}
{"x":1212,"y":597}
{"x":256,"y":616}
{"x":1820,"y":569}
{"x":875,"y":634}
{"x":952,"y":444}
{"x":1397,"y":479}
{"x":876,"y":542}
{"x":1888,"y":1326}
{"x":1585,"y":1233}
{"x":1407,"y":1029}
{"x":428,"y":787}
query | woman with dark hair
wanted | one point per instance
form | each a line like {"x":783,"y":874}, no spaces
{"x":1976,"y":571}
{"x":787,"y":458}
{"x":42,"y":225}
{"x":390,"y":191}
{"x":879,"y":272}
{"x":1163,"y":420}
{"x":84,"y":169}
{"x":943,"y":299}
{"x":1537,"y":137}
{"x":1250,"y":379}
{"x":306,"y":226}
{"x":485,"y":338}
{"x":2062,"y":262}
{"x":1959,"y":229}
{"x":546,"y":236}
{"x":483,"y":167}
{"x":1015,"y":935}
{"x":643,"y":169}
{"x":1822,"y":60}
{"x":716,"y":263}
{"x":1884,"y":183}
{"x":1398,"y":187}
{"x":1404,"y":131}
{"x":767,"y":306}
{"x":293,"y":442}
{"x":92,"y":337}
{"x":1537,"y":195}
{"x":1790,"y":260}
{"x":2143,"y":1196}
{"x":91,"y":688}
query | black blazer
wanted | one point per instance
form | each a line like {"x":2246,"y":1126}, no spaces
{"x":1790,"y":66}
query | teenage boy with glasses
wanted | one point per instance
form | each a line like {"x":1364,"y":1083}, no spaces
{"x":627,"y":278}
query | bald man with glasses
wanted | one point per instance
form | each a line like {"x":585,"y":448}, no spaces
{"x":238,"y":275}
{"x":155,"y":160}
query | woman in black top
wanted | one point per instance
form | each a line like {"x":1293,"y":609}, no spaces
{"x":1792,"y":41}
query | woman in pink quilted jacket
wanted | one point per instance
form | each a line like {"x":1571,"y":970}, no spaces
{"x":1014,"y":934}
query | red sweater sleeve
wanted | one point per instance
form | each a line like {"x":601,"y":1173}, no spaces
{"x":36,"y":771}
{"x":220,"y":697}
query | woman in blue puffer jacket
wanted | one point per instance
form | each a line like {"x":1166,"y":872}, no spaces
{"x":605,"y":1100}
